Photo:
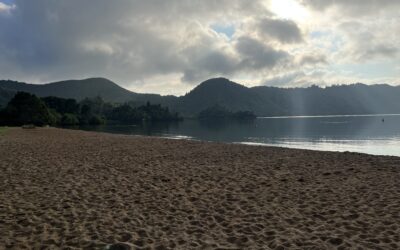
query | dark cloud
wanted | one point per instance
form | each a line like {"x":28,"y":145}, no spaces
{"x":249,"y":55}
{"x":313,"y":59}
{"x":125,"y":40}
{"x":378,"y":51}
{"x":285,"y":31}
{"x":208,"y":64}
{"x":257,"y":55}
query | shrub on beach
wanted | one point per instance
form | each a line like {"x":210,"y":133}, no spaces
{"x":69,"y":120}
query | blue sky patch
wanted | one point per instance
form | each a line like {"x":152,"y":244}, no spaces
{"x":8,"y":2}
{"x":228,"y":30}
{"x":318,"y":34}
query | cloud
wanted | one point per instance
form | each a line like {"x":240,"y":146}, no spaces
{"x":169,"y":46}
{"x":256,"y":55}
{"x":207,"y":64}
{"x":355,"y":7}
{"x":312,"y":59}
{"x":285,"y":31}
{"x":247,"y":55}
{"x":366,"y":43}
{"x":127,"y":41}
{"x":284,"y":80}
{"x":300,"y":78}
{"x":380,"y":50}
{"x":5,"y":9}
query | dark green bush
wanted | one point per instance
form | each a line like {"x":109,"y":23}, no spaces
{"x":25,"y":108}
{"x":69,"y":120}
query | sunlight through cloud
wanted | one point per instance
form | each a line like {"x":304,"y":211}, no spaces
{"x":289,"y":9}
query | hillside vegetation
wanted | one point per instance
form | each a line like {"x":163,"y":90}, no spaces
{"x":25,"y":108}
{"x":262,"y":100}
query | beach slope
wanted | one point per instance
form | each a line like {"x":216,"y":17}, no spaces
{"x":73,"y":189}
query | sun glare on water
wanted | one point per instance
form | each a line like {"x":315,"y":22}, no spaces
{"x":288,"y":9}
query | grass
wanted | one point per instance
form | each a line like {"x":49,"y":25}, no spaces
{"x":3,"y":130}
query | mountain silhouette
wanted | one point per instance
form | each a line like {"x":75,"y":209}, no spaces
{"x":222,"y":92}
{"x":87,"y":88}
{"x":263,"y":101}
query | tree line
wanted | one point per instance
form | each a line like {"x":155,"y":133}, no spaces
{"x":25,"y":108}
{"x":218,"y":112}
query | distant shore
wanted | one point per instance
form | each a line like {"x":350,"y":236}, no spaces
{"x":64,"y":188}
{"x":323,"y":116}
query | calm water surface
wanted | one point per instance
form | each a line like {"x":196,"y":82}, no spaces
{"x":379,"y":135}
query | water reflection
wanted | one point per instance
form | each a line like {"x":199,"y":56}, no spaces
{"x":365,"y":134}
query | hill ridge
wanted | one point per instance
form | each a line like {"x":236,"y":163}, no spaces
{"x":262,"y":100}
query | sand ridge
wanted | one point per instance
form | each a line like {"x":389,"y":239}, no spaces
{"x":65,"y":189}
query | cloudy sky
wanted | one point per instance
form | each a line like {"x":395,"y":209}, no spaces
{"x":170,"y":46}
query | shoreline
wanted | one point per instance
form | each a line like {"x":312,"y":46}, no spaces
{"x":63,"y":188}
{"x":244,"y":143}
{"x":324,"y":116}
{"x":255,"y":144}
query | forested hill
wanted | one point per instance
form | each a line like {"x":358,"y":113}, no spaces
{"x":334,"y":100}
{"x":80,"y":89}
{"x":263,"y":101}
{"x":222,"y":92}
{"x":272,"y":101}
{"x":5,"y":96}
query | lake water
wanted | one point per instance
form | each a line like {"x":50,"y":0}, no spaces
{"x":379,"y":135}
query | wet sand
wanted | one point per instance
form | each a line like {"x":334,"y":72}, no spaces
{"x":65,"y":189}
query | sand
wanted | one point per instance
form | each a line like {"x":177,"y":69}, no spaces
{"x":65,"y":189}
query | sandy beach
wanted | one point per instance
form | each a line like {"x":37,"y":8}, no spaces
{"x":66,"y":189}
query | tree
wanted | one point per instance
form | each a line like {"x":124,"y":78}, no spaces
{"x":25,"y":108}
{"x":61,"y":105}
{"x":92,"y":111}
{"x":125,"y":113}
{"x":128,"y":114}
{"x":69,"y":119}
{"x":218,"y":112}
